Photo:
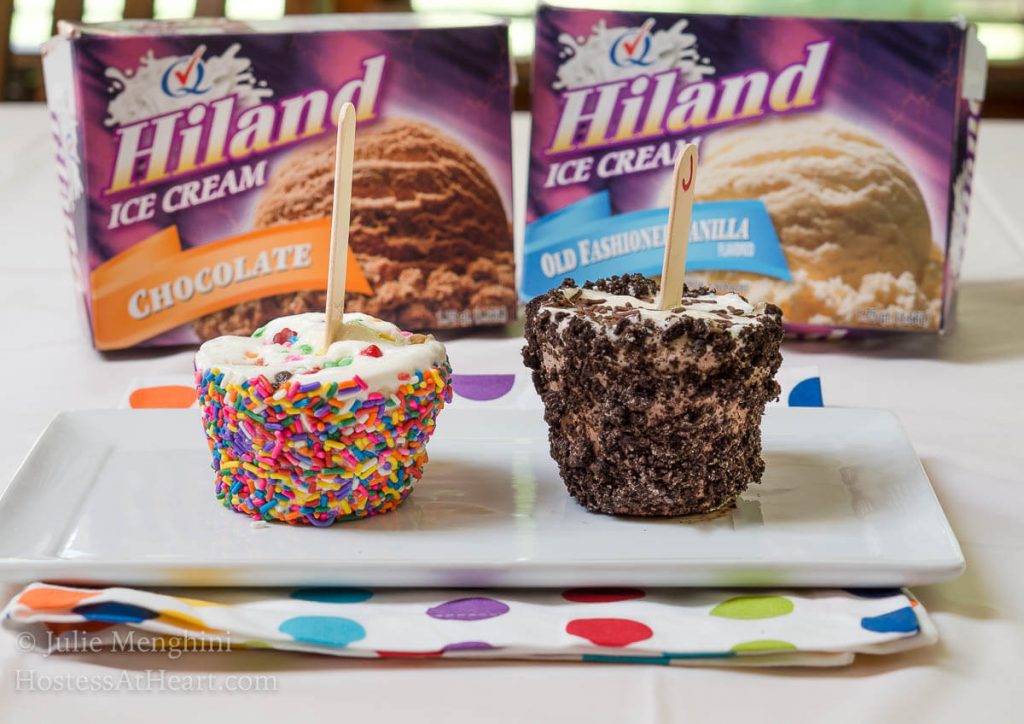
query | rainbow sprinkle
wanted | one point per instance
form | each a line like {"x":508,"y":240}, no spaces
{"x":317,"y":453}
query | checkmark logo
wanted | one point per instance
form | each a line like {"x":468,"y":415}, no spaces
{"x":632,"y":45}
{"x":183,"y":76}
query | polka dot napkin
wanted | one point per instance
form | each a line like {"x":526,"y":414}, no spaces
{"x":657,"y":626}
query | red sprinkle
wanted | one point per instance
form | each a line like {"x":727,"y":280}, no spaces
{"x":403,"y":375}
{"x":283,"y":336}
{"x":372,"y":351}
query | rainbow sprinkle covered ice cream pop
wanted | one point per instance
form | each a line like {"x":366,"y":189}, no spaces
{"x":309,"y":437}
{"x":321,"y":417}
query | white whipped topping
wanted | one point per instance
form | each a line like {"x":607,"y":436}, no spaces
{"x":706,"y":306}
{"x":242,"y":358}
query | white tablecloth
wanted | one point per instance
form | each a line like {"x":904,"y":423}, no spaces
{"x":960,"y":399}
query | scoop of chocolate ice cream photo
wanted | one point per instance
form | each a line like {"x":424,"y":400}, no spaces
{"x":429,"y":231}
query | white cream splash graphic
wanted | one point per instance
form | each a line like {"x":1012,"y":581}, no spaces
{"x":587,"y":61}
{"x":140,"y":93}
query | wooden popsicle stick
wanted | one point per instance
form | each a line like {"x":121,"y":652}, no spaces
{"x":673,"y":267}
{"x":340,"y":217}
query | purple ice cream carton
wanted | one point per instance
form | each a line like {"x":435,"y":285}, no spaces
{"x":196,"y":165}
{"x":835,"y":158}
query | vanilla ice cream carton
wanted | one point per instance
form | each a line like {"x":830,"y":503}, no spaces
{"x":196,"y":162}
{"x":835,"y":158}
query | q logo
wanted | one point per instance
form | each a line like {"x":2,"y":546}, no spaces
{"x":185,"y":76}
{"x":632,"y":47}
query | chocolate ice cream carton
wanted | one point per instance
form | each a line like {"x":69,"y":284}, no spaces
{"x":196,"y":163}
{"x":836,"y":158}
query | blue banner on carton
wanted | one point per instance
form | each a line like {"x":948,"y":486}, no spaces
{"x":586,"y":241}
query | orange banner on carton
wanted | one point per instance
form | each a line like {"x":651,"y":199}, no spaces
{"x":156,"y":286}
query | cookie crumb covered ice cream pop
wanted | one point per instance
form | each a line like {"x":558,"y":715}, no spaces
{"x":652,"y":412}
{"x":304,"y":435}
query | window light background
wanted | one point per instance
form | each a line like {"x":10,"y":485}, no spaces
{"x":1000,"y":22}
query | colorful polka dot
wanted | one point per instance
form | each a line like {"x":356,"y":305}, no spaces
{"x":609,"y":631}
{"x":763,"y":646}
{"x":253,"y":645}
{"x":114,"y":612}
{"x":747,"y":608}
{"x":197,"y":603}
{"x":333,"y":631}
{"x":162,"y":397}
{"x":706,"y":655}
{"x":482,"y":387}
{"x":333,"y":595}
{"x":53,"y":599}
{"x":602,"y":595}
{"x":663,"y":660}
{"x":469,"y":609}
{"x":902,"y":620}
{"x":185,"y":621}
{"x":807,"y":393}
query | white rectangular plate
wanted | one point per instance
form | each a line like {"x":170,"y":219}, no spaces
{"x":126,"y":497}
